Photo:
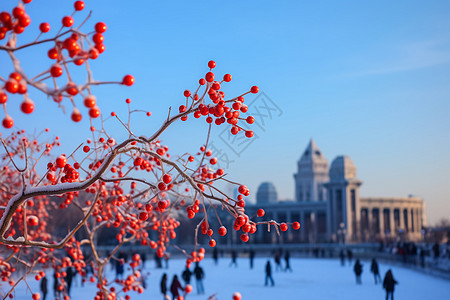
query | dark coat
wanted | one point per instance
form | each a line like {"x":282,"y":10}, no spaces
{"x":163,"y":285}
{"x":357,"y":268}
{"x":186,"y":275}
{"x":268,"y":269}
{"x":199,"y":274}
{"x":389,"y":282}
{"x":44,"y":285}
{"x":174,"y":287}
{"x":374,"y":267}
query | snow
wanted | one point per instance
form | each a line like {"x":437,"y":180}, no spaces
{"x":311,"y":279}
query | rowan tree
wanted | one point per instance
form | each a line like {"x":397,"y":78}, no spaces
{"x":134,"y":185}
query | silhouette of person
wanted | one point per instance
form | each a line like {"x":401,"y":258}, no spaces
{"x":233,"y":258}
{"x":43,"y":286}
{"x":163,"y":285}
{"x":389,"y":284}
{"x":215,"y":255}
{"x":175,"y":287}
{"x":287,"y":257}
{"x":186,"y":275}
{"x":158,"y":261}
{"x":277,"y":258}
{"x":269,"y":274}
{"x":349,"y":256}
{"x":342,"y":257}
{"x":199,"y":275}
{"x":56,"y":292}
{"x":358,"y":271}
{"x":143,"y":258}
{"x":376,"y":272}
{"x":251,"y":256}
{"x":166,"y":259}
{"x":119,"y":265}
{"x":68,"y":278}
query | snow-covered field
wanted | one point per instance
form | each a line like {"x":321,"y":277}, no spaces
{"x":311,"y":279}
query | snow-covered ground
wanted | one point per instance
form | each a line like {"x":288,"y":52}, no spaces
{"x":311,"y":279}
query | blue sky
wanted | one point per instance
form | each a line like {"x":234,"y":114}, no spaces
{"x":366,"y":79}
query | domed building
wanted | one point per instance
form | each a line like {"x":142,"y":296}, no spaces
{"x":266,"y":193}
{"x":329,"y":207}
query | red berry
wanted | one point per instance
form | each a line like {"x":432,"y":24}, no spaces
{"x":94,"y":112}
{"x":211,"y":64}
{"x":33,"y":221}
{"x":128,"y":80}
{"x":53,"y":53}
{"x":187,"y":93}
{"x":79,"y":5}
{"x":86,"y":149}
{"x":3,"y":97}
{"x":296,"y":225}
{"x":202,"y":81}
{"x":67,"y":21}
{"x":100,"y":27}
{"x":12,"y":86}
{"x":283,"y":226}
{"x":44,"y":27}
{"x":212,"y":243}
{"x":27,"y":106}
{"x":36,"y":296}
{"x":143,"y":216}
{"x":227,"y":77}
{"x":61,"y":161}
{"x":8,"y":122}
{"x":76,"y":115}
{"x":260,"y":212}
{"x":209,"y":76}
{"x":161,"y":186}
{"x":56,"y":70}
{"x":18,"y":12}
{"x":249,"y":133}
{"x":222,"y":230}
{"x":90,"y":101}
{"x":98,"y":38}
{"x":254,"y":89}
{"x":244,"y":237}
{"x":250,"y":120}
{"x":237,"y":296}
{"x":167,"y":178}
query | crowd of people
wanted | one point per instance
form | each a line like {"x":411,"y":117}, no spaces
{"x":279,"y":261}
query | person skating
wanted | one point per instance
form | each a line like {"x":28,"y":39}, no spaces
{"x":233,"y":258}
{"x":186,"y":275}
{"x":269,"y":274}
{"x":199,"y":275}
{"x":68,"y":278}
{"x":389,"y":284}
{"x":43,"y":287}
{"x":342,"y":257}
{"x":163,"y":285}
{"x":358,"y":271}
{"x":287,"y":257}
{"x":175,"y":287}
{"x":251,"y":256}
{"x":375,"y":270}
{"x":215,"y":255}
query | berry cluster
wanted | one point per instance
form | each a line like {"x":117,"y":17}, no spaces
{"x":220,"y":111}
{"x":71,"y":47}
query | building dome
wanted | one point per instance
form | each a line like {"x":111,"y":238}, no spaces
{"x":266,"y":193}
{"x":342,"y":168}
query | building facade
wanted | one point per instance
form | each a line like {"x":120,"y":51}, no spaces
{"x":330,"y":209}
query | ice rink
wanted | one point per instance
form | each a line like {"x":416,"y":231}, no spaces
{"x":311,"y":279}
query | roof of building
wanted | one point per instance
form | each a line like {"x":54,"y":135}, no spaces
{"x":342,"y":168}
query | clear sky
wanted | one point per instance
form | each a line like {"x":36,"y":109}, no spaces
{"x":370,"y":79}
